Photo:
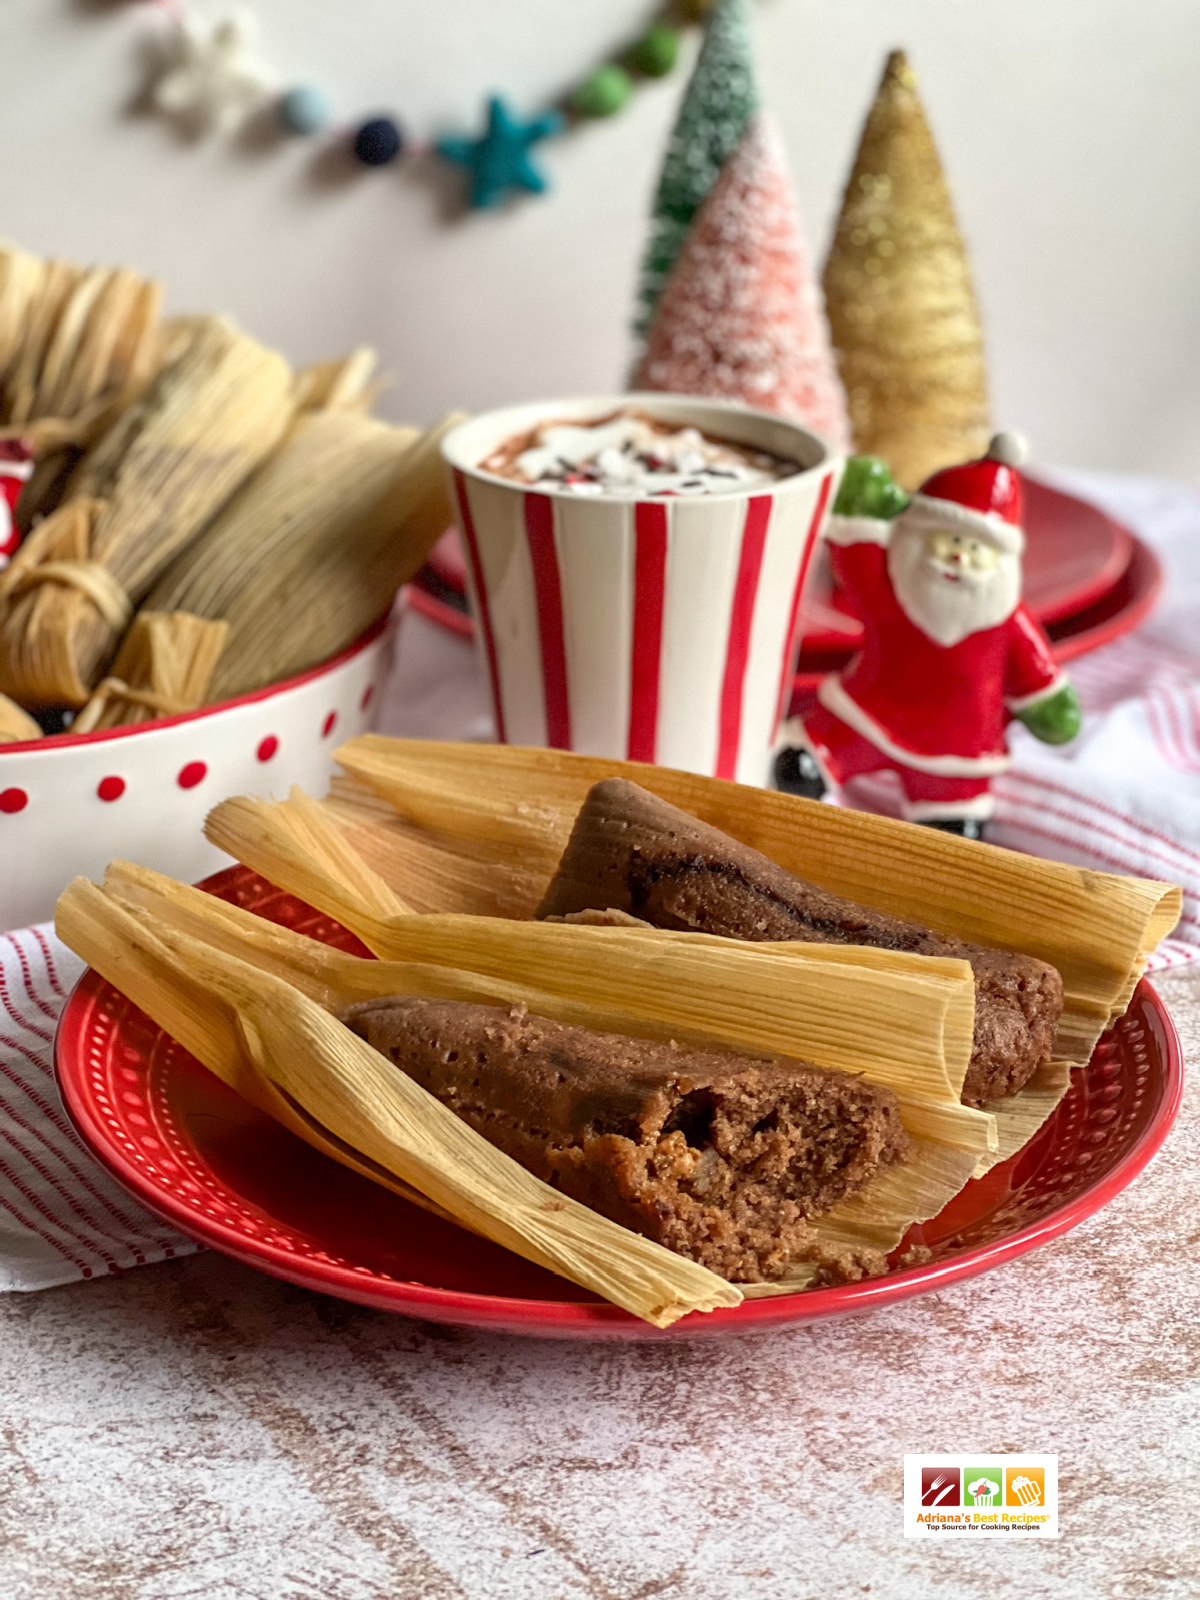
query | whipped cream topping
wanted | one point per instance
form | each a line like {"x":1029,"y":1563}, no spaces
{"x":628,"y":455}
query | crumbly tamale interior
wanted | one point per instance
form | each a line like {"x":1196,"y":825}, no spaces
{"x":718,"y":1157}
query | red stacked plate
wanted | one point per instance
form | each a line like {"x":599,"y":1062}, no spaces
{"x":1087,"y":580}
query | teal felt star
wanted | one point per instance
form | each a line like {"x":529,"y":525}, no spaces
{"x":500,"y":160}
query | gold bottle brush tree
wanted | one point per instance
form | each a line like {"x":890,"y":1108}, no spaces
{"x":899,"y":296}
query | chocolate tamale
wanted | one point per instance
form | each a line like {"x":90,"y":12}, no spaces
{"x":460,"y":812}
{"x":503,"y":801}
{"x":718,"y":1158}
{"x":284,"y":1053}
{"x":565,"y":974}
{"x":632,"y":852}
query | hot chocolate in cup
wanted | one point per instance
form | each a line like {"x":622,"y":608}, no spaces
{"x":641,"y":614}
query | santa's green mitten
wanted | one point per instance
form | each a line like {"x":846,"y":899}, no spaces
{"x":1056,"y":719}
{"x":869,"y":490}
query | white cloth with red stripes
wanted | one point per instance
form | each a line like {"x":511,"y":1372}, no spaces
{"x":1125,"y":795}
{"x":61,"y":1216}
{"x":1124,"y":798}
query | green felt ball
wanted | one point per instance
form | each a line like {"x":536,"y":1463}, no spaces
{"x":603,"y":93}
{"x":657,"y":51}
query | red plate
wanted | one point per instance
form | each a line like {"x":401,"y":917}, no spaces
{"x":189,"y":1149}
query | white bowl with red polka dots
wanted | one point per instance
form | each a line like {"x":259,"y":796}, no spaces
{"x":69,"y":806}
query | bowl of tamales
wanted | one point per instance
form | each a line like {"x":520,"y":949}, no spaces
{"x":198,"y":545}
{"x":552,"y":1044}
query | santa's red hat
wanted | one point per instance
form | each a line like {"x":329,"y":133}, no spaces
{"x":982,"y":498}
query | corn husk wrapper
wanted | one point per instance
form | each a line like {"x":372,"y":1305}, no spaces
{"x":460,"y":812}
{"x":87,"y":343}
{"x":314,"y":547}
{"x":137,"y":498}
{"x":1096,"y":928}
{"x":21,"y":279}
{"x":16,"y":725}
{"x":164,"y":667}
{"x":946,"y":1136}
{"x":348,"y":384}
{"x":286,"y":1054}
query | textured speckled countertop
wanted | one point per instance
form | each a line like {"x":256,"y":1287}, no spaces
{"x":196,"y":1429}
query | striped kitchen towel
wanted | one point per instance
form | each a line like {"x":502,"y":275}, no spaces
{"x":1125,"y":796}
{"x":61,"y":1217}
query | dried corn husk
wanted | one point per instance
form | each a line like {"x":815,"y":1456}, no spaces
{"x":1096,"y":928}
{"x":898,"y":1020}
{"x":281,"y":1050}
{"x":945,"y":1150}
{"x":16,"y":724}
{"x":46,"y":306}
{"x":314,"y":547}
{"x":21,"y":278}
{"x":436,"y":872}
{"x":89,"y":343}
{"x":164,"y":667}
{"x":345,"y":385}
{"x":464,"y":811}
{"x":137,"y":498}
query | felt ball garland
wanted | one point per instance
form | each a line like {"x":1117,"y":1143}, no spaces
{"x":213,"y":77}
{"x":377,"y":142}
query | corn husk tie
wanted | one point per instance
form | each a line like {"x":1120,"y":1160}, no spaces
{"x":163,"y":668}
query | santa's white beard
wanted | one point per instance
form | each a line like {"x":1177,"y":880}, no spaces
{"x":945,"y":601}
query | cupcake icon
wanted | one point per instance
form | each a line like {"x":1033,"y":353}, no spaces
{"x":984,"y":1491}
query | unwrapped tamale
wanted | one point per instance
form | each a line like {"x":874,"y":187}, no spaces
{"x":632,"y":852}
{"x":719,"y":1158}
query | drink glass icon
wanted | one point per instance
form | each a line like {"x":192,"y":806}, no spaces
{"x":1025,"y":1491}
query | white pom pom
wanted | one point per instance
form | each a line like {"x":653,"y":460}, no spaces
{"x":1009,"y":448}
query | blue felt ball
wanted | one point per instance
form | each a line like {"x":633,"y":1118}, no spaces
{"x":304,"y":110}
{"x":377,"y":142}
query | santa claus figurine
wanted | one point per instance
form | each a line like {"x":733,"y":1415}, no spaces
{"x":949,"y":653}
{"x":16,"y":469}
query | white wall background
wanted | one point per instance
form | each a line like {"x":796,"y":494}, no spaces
{"x":1070,"y":129}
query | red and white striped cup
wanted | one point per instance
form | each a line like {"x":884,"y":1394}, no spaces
{"x":659,"y":630}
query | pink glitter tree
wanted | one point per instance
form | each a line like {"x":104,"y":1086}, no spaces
{"x":740,"y":317}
